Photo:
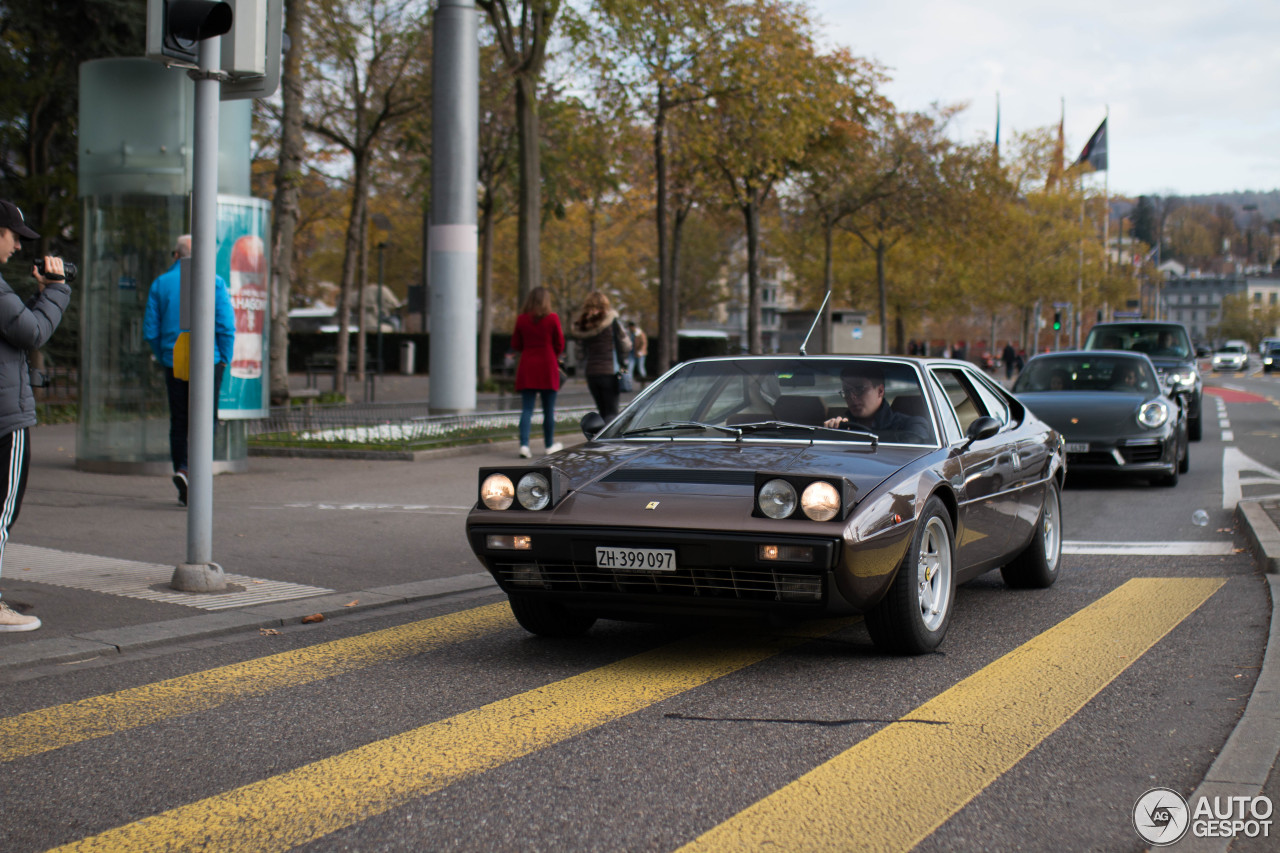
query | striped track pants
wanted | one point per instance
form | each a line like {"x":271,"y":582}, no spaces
{"x":15,"y":455}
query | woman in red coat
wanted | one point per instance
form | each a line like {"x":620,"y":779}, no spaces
{"x":539,"y":340}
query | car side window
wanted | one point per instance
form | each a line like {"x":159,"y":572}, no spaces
{"x":996,"y":406}
{"x":950,"y":424}
{"x":962,"y":397}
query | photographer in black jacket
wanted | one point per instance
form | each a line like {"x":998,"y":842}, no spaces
{"x":23,"y":327}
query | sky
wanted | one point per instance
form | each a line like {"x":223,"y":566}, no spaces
{"x":1193,"y":86}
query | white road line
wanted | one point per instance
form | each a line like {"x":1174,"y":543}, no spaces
{"x":1150,"y":549}
{"x":429,"y":509}
{"x":1234,"y":463}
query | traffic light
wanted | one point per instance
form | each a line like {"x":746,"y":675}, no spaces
{"x":175,"y":28}
{"x":1057,"y":321}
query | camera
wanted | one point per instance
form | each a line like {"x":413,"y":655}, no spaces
{"x":67,"y":267}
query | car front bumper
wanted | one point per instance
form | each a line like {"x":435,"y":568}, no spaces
{"x":715,"y":572}
{"x":1157,"y":454}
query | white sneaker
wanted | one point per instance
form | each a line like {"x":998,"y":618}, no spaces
{"x":524,"y":451}
{"x":12,"y":620}
{"x":555,"y":448}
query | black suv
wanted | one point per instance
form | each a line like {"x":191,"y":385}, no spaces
{"x":1169,"y":348}
{"x":1270,"y":355}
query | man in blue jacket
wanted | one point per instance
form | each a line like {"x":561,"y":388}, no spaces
{"x":161,"y":328}
{"x":24,"y":325}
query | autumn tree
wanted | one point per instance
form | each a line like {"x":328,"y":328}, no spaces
{"x":900,"y":180}
{"x":771,"y":101}
{"x":363,"y":55}
{"x":522,"y":38}
{"x":661,"y":56}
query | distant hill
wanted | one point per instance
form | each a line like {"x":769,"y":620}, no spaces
{"x":1268,"y":204}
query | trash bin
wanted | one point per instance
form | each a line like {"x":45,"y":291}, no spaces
{"x":407,"y":353}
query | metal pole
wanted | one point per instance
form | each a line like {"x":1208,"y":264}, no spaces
{"x":452,"y":232}
{"x":381,"y":246}
{"x":200,"y":573}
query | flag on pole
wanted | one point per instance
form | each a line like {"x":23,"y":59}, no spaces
{"x":1095,"y":150}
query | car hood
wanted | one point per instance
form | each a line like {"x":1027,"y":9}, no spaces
{"x":692,"y":483}
{"x":1078,"y":414}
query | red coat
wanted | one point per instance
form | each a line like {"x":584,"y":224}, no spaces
{"x":540,"y":343}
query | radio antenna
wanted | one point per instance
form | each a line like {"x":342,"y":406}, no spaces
{"x":814,"y":325}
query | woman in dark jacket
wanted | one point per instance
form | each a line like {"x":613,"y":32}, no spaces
{"x":606,"y":344}
{"x":540,"y":341}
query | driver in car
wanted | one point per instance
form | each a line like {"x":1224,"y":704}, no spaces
{"x":862,"y":384}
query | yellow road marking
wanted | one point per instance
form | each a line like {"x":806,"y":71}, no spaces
{"x":322,"y":797}
{"x":53,"y":728}
{"x":893,"y":789}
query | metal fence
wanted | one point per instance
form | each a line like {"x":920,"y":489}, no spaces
{"x":390,"y":425}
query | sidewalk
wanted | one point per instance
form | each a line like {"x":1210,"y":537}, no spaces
{"x":92,"y":554}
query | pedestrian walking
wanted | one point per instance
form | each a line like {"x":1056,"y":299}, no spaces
{"x":24,"y":325}
{"x":606,"y":344}
{"x":639,"y":349}
{"x":161,"y":327}
{"x":539,"y":340}
{"x":1010,"y":358}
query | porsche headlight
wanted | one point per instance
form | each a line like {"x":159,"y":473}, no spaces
{"x":534,"y":491}
{"x":777,"y":499}
{"x":820,"y":501}
{"x":497,"y":492}
{"x":1153,"y":414}
{"x":1183,"y":377}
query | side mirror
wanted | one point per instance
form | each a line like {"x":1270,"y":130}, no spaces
{"x":592,"y":424}
{"x":981,"y":428}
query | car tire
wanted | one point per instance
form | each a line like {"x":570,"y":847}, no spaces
{"x":1037,"y":566}
{"x":913,"y":616}
{"x":1194,"y":428}
{"x":1167,"y":481}
{"x":549,"y":619}
{"x":1184,"y":464}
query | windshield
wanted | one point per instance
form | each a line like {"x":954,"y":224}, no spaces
{"x":782,"y":398}
{"x":1120,"y":374}
{"x":1158,"y":340}
{"x":1234,"y":349}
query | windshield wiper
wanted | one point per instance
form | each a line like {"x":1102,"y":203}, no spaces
{"x":766,"y":425}
{"x":662,"y":427}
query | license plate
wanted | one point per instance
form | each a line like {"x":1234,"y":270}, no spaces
{"x":636,"y":559}
{"x":1077,"y":447}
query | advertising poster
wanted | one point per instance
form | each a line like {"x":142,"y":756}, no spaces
{"x":243,"y":234}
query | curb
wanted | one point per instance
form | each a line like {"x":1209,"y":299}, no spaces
{"x":1248,"y":758}
{"x":1263,"y":535}
{"x":112,"y":641}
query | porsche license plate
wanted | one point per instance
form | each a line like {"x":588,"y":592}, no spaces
{"x":1077,"y":447}
{"x":636,"y":559}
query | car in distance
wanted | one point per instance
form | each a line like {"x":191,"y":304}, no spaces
{"x":1270,"y":355}
{"x":721,"y":491}
{"x":1112,"y":411}
{"x":1233,"y":355}
{"x":1169,"y":348}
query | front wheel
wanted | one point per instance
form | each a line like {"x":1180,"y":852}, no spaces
{"x":549,"y":619}
{"x":1037,"y":566}
{"x":913,"y":616}
{"x":1194,"y":427}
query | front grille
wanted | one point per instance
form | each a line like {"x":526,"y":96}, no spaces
{"x":717,"y":583}
{"x":1137,"y":453}
{"x":681,"y":475}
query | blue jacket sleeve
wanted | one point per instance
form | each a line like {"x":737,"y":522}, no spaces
{"x":225,"y":323}
{"x":151,"y":320}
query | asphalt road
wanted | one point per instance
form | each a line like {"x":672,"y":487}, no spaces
{"x":442,"y":726}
